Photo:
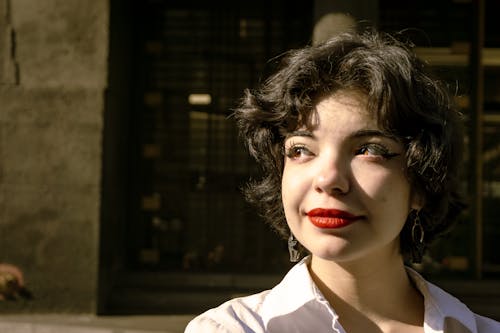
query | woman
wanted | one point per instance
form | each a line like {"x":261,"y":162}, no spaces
{"x":360,"y":148}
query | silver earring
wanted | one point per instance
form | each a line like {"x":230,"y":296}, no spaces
{"x":417,"y":237}
{"x":294,"y":253}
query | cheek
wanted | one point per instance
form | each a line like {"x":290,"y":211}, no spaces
{"x":287,"y":184}
{"x":292,"y":188}
{"x":384,"y":185}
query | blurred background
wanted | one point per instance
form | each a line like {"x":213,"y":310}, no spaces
{"x":121,"y":170}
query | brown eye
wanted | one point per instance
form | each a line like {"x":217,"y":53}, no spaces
{"x":375,"y":149}
{"x":296,"y":152}
{"x":372,"y":149}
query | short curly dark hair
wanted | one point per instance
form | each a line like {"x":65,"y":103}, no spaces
{"x":405,"y":98}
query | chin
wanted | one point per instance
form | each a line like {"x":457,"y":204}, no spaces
{"x":331,"y":254}
{"x":339,"y":250}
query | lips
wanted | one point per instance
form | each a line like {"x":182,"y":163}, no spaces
{"x":331,"y":218}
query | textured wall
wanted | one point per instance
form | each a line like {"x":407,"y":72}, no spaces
{"x":53,"y":74}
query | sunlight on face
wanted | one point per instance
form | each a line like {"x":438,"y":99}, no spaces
{"x":344,"y":188}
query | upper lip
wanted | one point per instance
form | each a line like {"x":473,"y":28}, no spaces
{"x":330,"y":212}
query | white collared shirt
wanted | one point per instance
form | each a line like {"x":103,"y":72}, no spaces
{"x":297,"y":305}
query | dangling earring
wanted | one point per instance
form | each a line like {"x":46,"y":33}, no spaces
{"x":417,"y":237}
{"x":294,"y":253}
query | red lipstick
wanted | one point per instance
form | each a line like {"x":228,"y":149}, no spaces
{"x":331,"y":218}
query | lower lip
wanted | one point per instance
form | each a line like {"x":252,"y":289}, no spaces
{"x":330,"y":222}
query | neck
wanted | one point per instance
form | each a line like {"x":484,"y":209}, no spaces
{"x":371,"y":288}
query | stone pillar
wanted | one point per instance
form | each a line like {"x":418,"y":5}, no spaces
{"x":53,"y":77}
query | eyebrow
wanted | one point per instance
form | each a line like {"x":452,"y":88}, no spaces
{"x":305,"y":133}
{"x":358,"y":134}
{"x":373,"y":132}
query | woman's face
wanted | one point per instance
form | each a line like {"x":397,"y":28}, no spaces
{"x":344,"y":188}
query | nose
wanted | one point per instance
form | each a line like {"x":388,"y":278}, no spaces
{"x":332,"y":177}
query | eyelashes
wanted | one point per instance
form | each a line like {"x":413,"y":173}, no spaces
{"x":375,"y":150}
{"x":296,"y":151}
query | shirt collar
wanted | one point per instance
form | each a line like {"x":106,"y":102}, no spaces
{"x":441,"y":307}
{"x":297,"y":289}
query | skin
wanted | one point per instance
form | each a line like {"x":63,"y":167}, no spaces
{"x":344,"y":161}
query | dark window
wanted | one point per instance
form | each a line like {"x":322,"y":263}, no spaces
{"x":193,"y":61}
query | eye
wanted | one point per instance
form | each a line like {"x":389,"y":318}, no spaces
{"x":297,"y":151}
{"x":375,"y":149}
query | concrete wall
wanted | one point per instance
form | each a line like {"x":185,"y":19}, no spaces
{"x":53,"y":76}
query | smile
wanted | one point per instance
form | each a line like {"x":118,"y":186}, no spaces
{"x":331,"y":218}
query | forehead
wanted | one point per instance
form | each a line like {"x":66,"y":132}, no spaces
{"x":340,"y":106}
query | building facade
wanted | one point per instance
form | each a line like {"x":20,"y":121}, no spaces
{"x":121,"y":170}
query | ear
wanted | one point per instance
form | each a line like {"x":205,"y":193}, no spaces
{"x":417,"y":201}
